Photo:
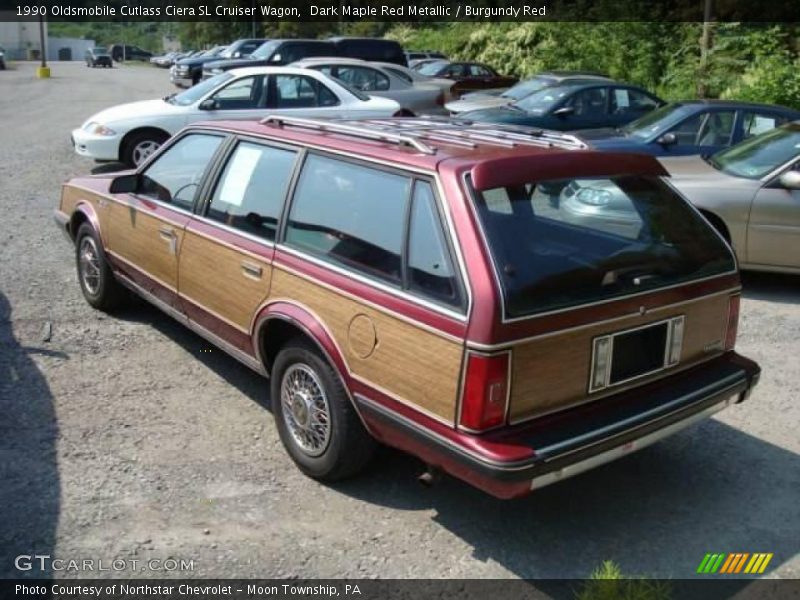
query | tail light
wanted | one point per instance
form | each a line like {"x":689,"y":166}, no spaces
{"x":483,"y":404}
{"x":733,"y":322}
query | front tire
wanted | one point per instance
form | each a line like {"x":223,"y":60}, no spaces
{"x":98,"y":284}
{"x":317,"y":423}
{"x":139,"y":146}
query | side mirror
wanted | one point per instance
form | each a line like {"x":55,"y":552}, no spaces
{"x":209,"y":104}
{"x":125,"y":184}
{"x":564,"y":111}
{"x":667,"y":139}
{"x":790,"y":180}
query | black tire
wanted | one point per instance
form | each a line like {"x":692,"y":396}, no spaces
{"x":349,"y":446}
{"x":129,"y":148}
{"x":107,"y":293}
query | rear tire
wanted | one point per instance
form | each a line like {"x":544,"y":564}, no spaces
{"x":316,"y":421}
{"x":98,"y":284}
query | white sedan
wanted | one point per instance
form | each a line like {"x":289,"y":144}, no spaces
{"x":416,"y":96}
{"x":130,"y":133}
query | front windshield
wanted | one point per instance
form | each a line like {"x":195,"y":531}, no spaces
{"x":657,"y":121}
{"x":193,"y":94}
{"x":563,"y":243}
{"x":431,"y":68}
{"x":265,"y":50}
{"x":527,"y":87}
{"x":760,"y":155}
{"x":541,"y":101}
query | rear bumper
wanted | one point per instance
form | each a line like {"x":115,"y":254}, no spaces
{"x":515,"y":460}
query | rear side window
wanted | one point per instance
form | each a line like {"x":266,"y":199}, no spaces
{"x":351,"y":215}
{"x":252,"y":188}
{"x":175,"y":175}
{"x":430,"y":270}
{"x":363,"y":79}
{"x":298,"y":91}
{"x":380,"y":224}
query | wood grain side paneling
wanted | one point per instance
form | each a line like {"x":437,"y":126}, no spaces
{"x":552,"y":372}
{"x":413,"y":364}
{"x":214,"y":277}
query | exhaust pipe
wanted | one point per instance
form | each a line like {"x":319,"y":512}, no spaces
{"x":430,"y":476}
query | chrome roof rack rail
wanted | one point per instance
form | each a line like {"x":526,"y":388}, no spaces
{"x":356,"y":131}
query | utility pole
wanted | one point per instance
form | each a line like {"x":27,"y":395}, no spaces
{"x":43,"y":72}
{"x":705,"y":48}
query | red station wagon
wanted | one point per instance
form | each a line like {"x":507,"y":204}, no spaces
{"x":417,"y":283}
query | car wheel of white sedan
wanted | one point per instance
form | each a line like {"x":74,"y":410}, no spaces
{"x":140,"y":146}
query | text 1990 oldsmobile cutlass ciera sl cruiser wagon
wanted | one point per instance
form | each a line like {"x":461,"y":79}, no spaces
{"x":413,"y":282}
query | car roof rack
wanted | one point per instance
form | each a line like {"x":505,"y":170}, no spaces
{"x":415,"y":132}
{"x":352,"y":130}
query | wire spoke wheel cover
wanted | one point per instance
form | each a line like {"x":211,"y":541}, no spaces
{"x":305,"y":409}
{"x":89,"y":261}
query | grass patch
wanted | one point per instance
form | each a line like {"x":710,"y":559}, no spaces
{"x":608,"y":582}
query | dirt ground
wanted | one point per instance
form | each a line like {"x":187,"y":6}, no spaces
{"x":128,"y":437}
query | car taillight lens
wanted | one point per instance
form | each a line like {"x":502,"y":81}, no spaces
{"x":733,"y":322}
{"x":483,"y":404}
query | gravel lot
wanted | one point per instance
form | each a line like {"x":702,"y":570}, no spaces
{"x":129,"y":437}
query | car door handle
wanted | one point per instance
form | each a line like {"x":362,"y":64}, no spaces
{"x":168,"y":234}
{"x":251,"y":269}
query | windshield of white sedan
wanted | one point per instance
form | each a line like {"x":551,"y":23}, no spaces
{"x":557,"y":244}
{"x":193,"y":94}
{"x":760,"y":155}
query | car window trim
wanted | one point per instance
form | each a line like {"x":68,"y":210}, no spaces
{"x":460,"y":309}
{"x":233,"y":81}
{"x":203,"y":179}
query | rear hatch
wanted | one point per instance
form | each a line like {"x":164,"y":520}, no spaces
{"x":607,"y":283}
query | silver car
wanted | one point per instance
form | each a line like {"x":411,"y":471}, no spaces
{"x":414,"y":96}
{"x":750,"y":193}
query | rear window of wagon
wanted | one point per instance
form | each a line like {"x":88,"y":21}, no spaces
{"x":563,"y":243}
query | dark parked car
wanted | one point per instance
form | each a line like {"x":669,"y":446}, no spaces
{"x":273,"y":53}
{"x":574,"y":106}
{"x":189,"y":71}
{"x":693,"y":127}
{"x":526,"y":87}
{"x":373,"y":49}
{"x":467,"y":75}
{"x":120,"y":52}
{"x":98,"y":57}
{"x":2,"y":58}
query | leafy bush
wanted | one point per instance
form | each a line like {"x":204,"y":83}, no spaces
{"x":607,"y":582}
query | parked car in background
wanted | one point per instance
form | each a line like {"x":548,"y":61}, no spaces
{"x":751,"y":194}
{"x":691,"y":127}
{"x":407,"y":282}
{"x":272,"y":53}
{"x":413,"y":97}
{"x":573,"y":106}
{"x":412,"y":76}
{"x":188,"y":71}
{"x":165,"y":61}
{"x":2,"y":59}
{"x":374,"y":49}
{"x":120,"y":52}
{"x":130,"y":133}
{"x":501,"y":97}
{"x":98,"y":57}
{"x":467,"y":75}
{"x":415,"y":56}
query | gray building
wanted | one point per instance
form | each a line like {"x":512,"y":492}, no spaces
{"x":21,"y":42}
